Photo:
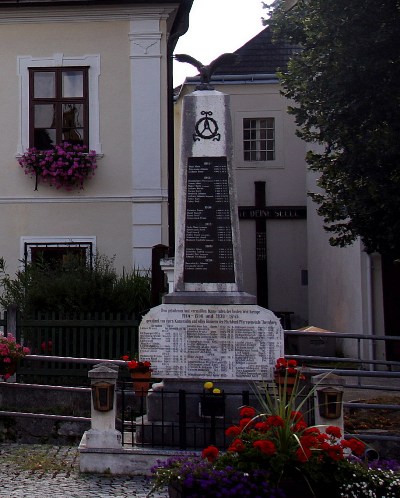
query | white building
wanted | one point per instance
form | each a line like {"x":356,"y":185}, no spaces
{"x":110,"y":61}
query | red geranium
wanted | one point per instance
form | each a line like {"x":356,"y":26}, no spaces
{"x":237,"y":446}
{"x":247,"y":412}
{"x":265,"y":446}
{"x":210,"y":453}
{"x":137,"y":365}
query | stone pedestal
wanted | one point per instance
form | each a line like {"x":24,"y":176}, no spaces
{"x":328,"y":398}
{"x":103,"y":433}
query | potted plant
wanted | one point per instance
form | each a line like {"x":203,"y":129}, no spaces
{"x":10,"y":353}
{"x":287,"y":374}
{"x":64,"y":166}
{"x":140,"y":372}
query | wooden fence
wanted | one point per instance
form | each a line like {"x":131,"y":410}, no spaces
{"x":96,"y":335}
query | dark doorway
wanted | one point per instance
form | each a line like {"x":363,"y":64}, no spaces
{"x":391,"y":304}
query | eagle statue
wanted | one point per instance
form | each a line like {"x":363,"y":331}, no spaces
{"x":206,"y":71}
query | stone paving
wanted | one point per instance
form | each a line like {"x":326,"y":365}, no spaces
{"x":42,"y":471}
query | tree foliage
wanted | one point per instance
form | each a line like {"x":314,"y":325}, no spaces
{"x":344,"y":82}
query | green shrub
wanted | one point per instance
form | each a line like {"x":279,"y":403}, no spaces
{"x":75,"y":288}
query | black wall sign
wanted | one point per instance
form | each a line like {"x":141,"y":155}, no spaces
{"x":273,"y":213}
{"x":208,"y":231}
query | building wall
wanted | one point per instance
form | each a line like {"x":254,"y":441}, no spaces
{"x":124,"y":205}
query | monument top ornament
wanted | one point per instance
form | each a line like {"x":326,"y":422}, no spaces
{"x":206,"y":71}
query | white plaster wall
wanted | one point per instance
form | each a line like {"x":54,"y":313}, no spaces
{"x":339,"y":298}
{"x":113,"y":206}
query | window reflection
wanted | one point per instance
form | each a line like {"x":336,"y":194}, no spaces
{"x":44,"y":85}
{"x":72,"y":84}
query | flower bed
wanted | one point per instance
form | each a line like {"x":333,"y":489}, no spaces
{"x":276,"y":453}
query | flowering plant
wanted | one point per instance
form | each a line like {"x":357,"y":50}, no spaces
{"x":288,"y":368}
{"x":275,"y":446}
{"x":64,"y":166}
{"x":136,"y":365}
{"x":10,"y":353}
{"x":209,"y":388}
{"x":197,"y":477}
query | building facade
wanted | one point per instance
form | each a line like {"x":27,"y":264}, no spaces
{"x":95,"y":73}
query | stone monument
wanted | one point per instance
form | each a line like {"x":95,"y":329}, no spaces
{"x":208,"y":328}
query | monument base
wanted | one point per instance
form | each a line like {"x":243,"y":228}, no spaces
{"x":186,"y":297}
{"x":181,"y":413}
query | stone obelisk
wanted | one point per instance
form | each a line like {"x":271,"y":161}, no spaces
{"x":208,"y":328}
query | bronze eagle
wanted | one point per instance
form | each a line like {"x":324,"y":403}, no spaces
{"x":206,"y":72}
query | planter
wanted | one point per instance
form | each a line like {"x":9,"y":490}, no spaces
{"x":282,"y":380}
{"x":141,"y":382}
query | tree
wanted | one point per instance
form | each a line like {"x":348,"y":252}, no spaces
{"x":345,"y":83}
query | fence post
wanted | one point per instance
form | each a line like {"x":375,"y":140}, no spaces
{"x":12,"y":319}
{"x":182,"y":419}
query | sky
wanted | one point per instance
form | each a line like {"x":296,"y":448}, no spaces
{"x":216,"y":27}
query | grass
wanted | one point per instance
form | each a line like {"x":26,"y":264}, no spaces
{"x":42,"y":458}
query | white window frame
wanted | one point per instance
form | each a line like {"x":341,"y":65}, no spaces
{"x":278,"y":162}
{"x":59,"y":60}
{"x":67,"y":241}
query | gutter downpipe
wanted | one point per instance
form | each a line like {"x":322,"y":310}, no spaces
{"x":179,"y":28}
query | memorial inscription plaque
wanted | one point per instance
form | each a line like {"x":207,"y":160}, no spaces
{"x":211,"y":341}
{"x":208,"y":233}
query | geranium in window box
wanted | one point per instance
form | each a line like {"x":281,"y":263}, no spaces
{"x":64,"y":166}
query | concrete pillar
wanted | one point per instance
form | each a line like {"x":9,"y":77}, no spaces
{"x":103,"y":433}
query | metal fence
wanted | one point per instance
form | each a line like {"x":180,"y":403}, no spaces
{"x":363,"y":378}
{"x":85,"y":335}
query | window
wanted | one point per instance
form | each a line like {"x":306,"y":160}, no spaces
{"x":58,"y":106}
{"x":90,"y":64}
{"x":59,"y":251}
{"x":259,"y":139}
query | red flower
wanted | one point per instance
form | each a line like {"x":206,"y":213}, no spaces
{"x":245,"y":423}
{"x":356,"y":446}
{"x":335,"y":452}
{"x":275,"y":421}
{"x":210,"y":453}
{"x":265,"y":446}
{"x":311,"y":430}
{"x":247,"y":412}
{"x":300,"y":426}
{"x":334,"y":431}
{"x":309,"y":441}
{"x":303,"y":454}
{"x":237,"y":446}
{"x":296,"y":416}
{"x":233,"y":431}
{"x":125,"y":357}
{"x":262,"y":426}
